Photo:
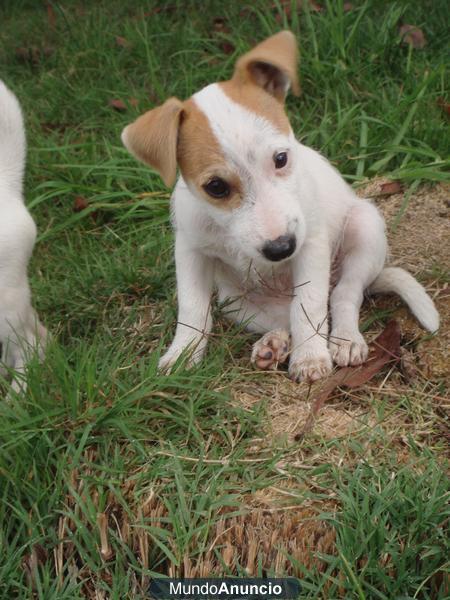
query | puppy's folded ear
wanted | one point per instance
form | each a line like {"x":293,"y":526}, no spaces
{"x":272,"y":65}
{"x":152,"y":138}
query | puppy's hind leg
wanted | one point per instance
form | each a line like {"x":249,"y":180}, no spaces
{"x":363,"y":252}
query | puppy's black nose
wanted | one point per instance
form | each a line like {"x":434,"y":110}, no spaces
{"x":280,"y":248}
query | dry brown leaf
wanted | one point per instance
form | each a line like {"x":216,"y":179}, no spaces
{"x":33,"y":54}
{"x":316,"y":7}
{"x":227,"y":47}
{"x":412,"y":35}
{"x":442,"y":103}
{"x":79,"y":204}
{"x":51,"y":18}
{"x":117,"y":104}
{"x":391,"y":187}
{"x":122,"y":42}
{"x":383,"y":350}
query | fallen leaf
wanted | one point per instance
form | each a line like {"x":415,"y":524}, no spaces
{"x":412,"y":35}
{"x":118,"y":105}
{"x":227,"y":47}
{"x":383,"y":350}
{"x":122,"y":42}
{"x":390,"y":188}
{"x":33,"y":54}
{"x":444,"y":105}
{"x":51,"y":18}
{"x":79,"y":204}
{"x":316,"y":7}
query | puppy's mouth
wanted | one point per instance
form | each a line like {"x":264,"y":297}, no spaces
{"x":282,"y":248}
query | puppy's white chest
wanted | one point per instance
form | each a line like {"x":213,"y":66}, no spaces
{"x":257,"y":283}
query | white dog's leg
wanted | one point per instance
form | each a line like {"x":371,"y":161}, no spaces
{"x":310,"y":357}
{"x":364,"y":250}
{"x":22,"y":335}
{"x":194,"y":287}
{"x":20,"y":330}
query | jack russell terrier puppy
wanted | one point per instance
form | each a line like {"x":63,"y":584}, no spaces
{"x":20,"y":329}
{"x":267,"y":222}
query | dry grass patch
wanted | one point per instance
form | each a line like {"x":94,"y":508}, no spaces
{"x":269,"y":533}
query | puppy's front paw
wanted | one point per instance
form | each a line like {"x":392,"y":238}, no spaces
{"x":348,"y":348}
{"x":310,"y":366}
{"x":167,"y":361}
{"x":193,"y":351}
{"x":271,"y":350}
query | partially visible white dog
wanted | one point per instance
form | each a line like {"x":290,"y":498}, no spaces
{"x":267,"y":221}
{"x":20,"y":330}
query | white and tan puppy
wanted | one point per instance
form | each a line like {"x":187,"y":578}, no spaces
{"x":267,"y":222}
{"x":20,"y":330}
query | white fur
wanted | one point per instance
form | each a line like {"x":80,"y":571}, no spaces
{"x":338,"y":235}
{"x":19,"y":326}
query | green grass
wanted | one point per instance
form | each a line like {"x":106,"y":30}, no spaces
{"x":98,"y":419}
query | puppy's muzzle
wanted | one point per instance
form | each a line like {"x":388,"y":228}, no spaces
{"x":283,"y":247}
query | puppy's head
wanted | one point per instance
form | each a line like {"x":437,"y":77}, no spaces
{"x":235,"y":149}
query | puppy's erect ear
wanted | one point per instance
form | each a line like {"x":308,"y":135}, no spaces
{"x":272,"y":65}
{"x":152,"y":138}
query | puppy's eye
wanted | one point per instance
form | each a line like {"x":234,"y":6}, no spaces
{"x":217,"y":188}
{"x":280,"y":160}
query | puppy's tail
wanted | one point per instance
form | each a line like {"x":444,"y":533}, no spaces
{"x":399,"y":281}
{"x":12,"y":140}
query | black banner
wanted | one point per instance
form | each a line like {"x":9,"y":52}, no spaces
{"x":227,"y":588}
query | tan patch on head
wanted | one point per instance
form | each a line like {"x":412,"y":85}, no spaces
{"x":201,"y":158}
{"x":256,"y":100}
